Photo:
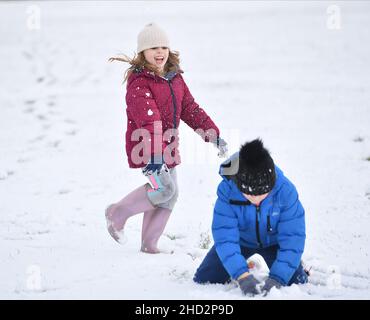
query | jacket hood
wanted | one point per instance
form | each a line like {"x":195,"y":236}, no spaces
{"x":141,"y":71}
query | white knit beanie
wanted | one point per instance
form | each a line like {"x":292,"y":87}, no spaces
{"x":152,"y":36}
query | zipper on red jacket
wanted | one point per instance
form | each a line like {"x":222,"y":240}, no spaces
{"x":258,"y":211}
{"x":174,"y":103}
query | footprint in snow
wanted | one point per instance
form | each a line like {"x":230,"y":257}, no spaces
{"x":31,"y":101}
{"x":54,"y":144}
{"x":51,"y":104}
{"x":5,"y":174}
{"x":70,"y":121}
{"x":27,"y":55}
{"x":71,"y":132}
{"x":41,"y":117}
{"x":38,"y":138}
{"x":358,"y":139}
{"x":64,"y":191}
{"x":23,"y":160}
{"x":29,"y":110}
{"x":30,"y":107}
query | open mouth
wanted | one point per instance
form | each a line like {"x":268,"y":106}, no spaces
{"x":159,"y":60}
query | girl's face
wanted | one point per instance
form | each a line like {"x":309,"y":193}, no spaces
{"x":157,"y":57}
{"x":256,"y":200}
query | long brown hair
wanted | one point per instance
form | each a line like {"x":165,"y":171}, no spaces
{"x":138,"y":61}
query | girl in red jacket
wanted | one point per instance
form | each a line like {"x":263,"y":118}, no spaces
{"x":157,"y":99}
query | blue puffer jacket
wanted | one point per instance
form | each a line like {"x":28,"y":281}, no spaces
{"x":278,"y":220}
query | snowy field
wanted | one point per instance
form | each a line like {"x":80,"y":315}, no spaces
{"x":295,"y":74}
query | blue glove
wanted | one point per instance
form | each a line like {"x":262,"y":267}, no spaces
{"x":269,"y":284}
{"x":221,"y":145}
{"x":154,"y":165}
{"x":248,"y":285}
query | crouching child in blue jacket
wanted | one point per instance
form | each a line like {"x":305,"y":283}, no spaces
{"x":257,"y":211}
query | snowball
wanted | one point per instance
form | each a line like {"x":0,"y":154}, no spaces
{"x":147,"y":94}
{"x":150,"y":112}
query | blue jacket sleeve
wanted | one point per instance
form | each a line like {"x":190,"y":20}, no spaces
{"x":226,"y":234}
{"x":291,"y":236}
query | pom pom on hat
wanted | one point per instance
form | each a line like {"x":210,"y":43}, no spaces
{"x":256,"y":174}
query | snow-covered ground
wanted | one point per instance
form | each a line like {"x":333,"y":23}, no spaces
{"x":278,"y":70}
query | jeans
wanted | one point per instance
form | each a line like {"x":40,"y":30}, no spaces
{"x":211,"y":269}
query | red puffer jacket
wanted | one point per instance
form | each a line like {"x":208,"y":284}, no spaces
{"x":155,"y":105}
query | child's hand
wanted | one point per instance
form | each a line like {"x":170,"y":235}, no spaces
{"x":249,"y":285}
{"x":221,"y":145}
{"x":269,"y":284}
